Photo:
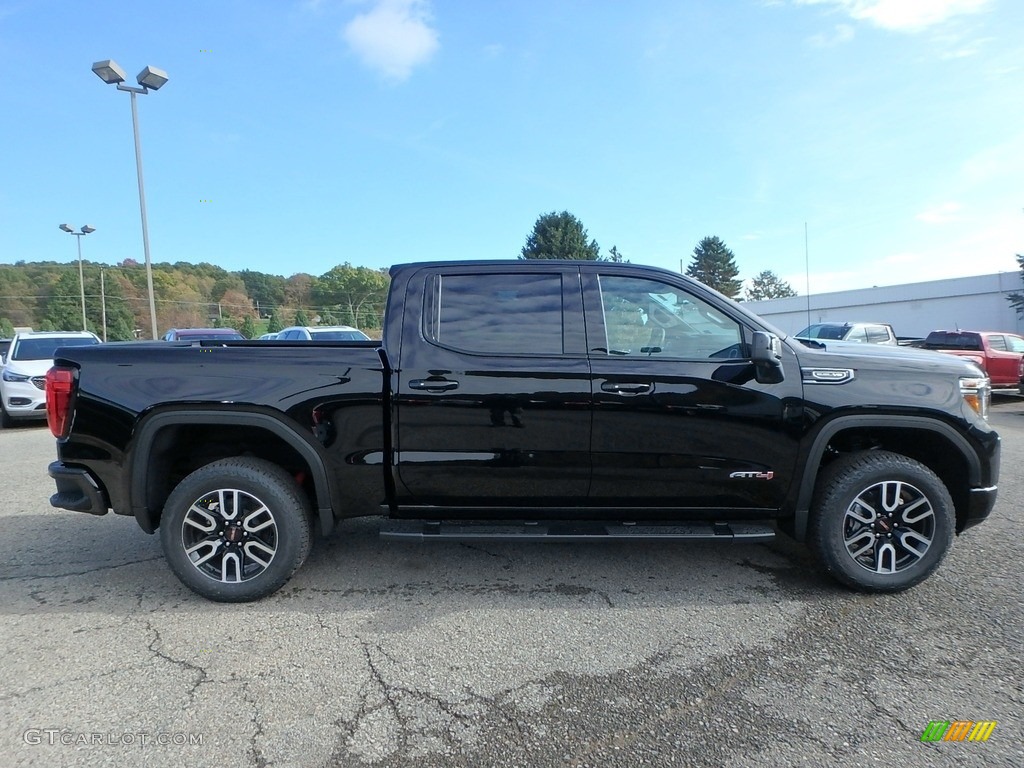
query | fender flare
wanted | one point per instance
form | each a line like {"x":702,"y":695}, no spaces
{"x":151,"y":425}
{"x":828,"y":431}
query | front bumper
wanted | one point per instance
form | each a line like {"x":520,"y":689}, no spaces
{"x":23,"y":400}
{"x":979,"y":506}
{"x":77,"y":490}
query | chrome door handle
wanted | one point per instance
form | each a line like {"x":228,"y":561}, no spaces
{"x":433,"y":385}
{"x":625,"y":388}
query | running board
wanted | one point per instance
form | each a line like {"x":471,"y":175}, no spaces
{"x":422,"y":530}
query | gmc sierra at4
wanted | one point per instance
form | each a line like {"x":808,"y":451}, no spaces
{"x":529,"y":400}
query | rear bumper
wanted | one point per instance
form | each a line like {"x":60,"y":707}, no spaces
{"x":979,"y":506}
{"x":77,"y":490}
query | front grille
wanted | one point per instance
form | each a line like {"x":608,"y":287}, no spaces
{"x":39,"y":381}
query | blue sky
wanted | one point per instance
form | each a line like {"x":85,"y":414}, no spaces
{"x":296,"y":135}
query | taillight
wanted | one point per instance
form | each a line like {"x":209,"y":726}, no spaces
{"x":60,"y":383}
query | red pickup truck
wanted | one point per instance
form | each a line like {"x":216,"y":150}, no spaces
{"x":1000,"y":355}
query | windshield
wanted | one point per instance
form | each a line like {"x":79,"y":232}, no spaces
{"x":823,"y":331}
{"x":186,"y":336}
{"x":43,"y":349}
{"x":953,"y":340}
{"x":352,"y":335}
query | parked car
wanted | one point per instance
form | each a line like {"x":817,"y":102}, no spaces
{"x":520,"y":401}
{"x":322,"y":333}
{"x":998,"y":354}
{"x":869,"y":333}
{"x":23,"y":381}
{"x":268,"y":337}
{"x":197,"y":334}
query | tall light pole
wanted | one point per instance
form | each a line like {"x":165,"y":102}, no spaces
{"x":81,"y":277}
{"x":150,"y":79}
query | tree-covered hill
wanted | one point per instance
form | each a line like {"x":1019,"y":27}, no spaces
{"x":48,"y":296}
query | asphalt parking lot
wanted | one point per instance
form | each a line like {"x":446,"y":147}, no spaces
{"x":391,"y":654}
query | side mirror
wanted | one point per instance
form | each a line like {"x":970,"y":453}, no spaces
{"x":766,"y":352}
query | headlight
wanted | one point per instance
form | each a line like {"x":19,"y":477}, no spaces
{"x":12,"y":376}
{"x":977,"y":393}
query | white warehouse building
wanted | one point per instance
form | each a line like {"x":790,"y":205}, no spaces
{"x":976,"y":303}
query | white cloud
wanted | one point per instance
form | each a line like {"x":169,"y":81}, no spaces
{"x":843,"y":33}
{"x":903,"y":15}
{"x":393,"y":37}
{"x":941,"y":215}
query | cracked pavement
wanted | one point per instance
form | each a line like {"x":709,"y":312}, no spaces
{"x":511,"y":654}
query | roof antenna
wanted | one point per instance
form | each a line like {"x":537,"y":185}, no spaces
{"x":807,"y":273}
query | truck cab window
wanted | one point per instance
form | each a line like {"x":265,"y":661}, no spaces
{"x":493,"y":313}
{"x":649,"y":318}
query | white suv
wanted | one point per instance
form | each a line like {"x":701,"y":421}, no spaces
{"x":322,"y":333}
{"x":23,"y":380}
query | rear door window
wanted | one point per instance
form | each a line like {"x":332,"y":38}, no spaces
{"x":997,"y":343}
{"x":495,"y":313}
{"x":877,"y":334}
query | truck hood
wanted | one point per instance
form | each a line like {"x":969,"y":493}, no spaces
{"x":879,"y":357}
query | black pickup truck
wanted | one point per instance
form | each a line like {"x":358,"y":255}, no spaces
{"x":529,"y":400}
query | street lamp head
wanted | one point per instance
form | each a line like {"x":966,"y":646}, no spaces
{"x":152,"y":78}
{"x":66,"y":227}
{"x":87,"y":229}
{"x":109,"y":72}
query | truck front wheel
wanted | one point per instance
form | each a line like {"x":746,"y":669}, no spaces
{"x":236,"y":530}
{"x":881,"y":522}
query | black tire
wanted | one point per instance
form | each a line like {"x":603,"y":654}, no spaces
{"x":5,"y":420}
{"x":236,"y":530}
{"x":880,"y":522}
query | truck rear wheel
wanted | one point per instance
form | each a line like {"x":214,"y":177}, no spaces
{"x":236,"y":530}
{"x":881,"y":522}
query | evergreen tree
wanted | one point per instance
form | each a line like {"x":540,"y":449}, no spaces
{"x":248,"y":328}
{"x":276,"y":324}
{"x":1016,"y":298}
{"x":560,"y":236}
{"x":301,"y":318}
{"x":715,"y":266}
{"x":767,"y":285}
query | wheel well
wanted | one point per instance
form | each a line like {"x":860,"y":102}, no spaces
{"x":930,"y":448}
{"x":177,"y":450}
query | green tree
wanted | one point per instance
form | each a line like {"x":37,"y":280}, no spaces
{"x":301,"y":318}
{"x":715,"y":266}
{"x":1016,"y":298}
{"x":227,"y":283}
{"x":356,"y":293}
{"x":768,"y":285}
{"x":248,"y":328}
{"x":265,"y":290}
{"x":276,"y":324}
{"x":64,"y":306}
{"x":560,"y":236}
{"x":120,"y":318}
{"x":615,"y":256}
{"x":6,"y":328}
